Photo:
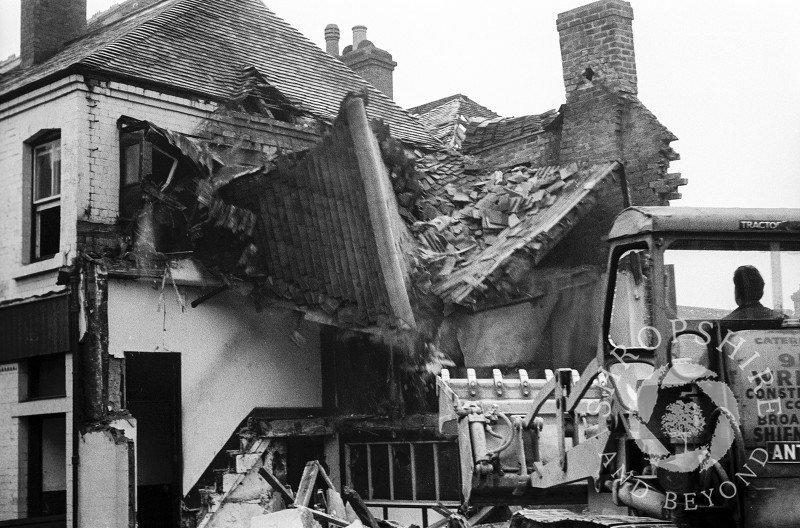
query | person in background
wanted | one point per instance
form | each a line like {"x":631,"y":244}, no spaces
{"x":749,"y":288}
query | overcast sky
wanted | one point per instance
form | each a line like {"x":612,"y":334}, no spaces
{"x":723,"y":76}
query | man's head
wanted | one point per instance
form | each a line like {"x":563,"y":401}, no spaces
{"x":748,"y":285}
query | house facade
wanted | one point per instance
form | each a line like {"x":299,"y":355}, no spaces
{"x":213,"y":262}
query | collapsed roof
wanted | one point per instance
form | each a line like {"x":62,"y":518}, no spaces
{"x":304,"y":233}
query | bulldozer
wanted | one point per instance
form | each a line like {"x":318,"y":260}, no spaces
{"x":688,"y":415}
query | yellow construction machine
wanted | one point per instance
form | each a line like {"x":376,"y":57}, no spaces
{"x":689,"y":415}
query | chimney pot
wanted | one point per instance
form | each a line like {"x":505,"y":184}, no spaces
{"x":359,"y":35}
{"x":332,"y":39}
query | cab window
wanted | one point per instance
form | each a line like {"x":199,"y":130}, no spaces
{"x":712,"y":280}
{"x":630,"y":313}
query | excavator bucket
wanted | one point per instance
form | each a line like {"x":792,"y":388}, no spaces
{"x":517,"y":436}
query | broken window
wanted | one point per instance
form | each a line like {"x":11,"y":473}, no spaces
{"x":150,"y":214}
{"x":46,"y":196}
{"x":404,"y":471}
{"x":141,"y":161}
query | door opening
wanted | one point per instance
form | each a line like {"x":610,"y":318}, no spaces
{"x":153,"y":396}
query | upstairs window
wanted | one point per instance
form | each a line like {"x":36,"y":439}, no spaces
{"x":46,"y":195}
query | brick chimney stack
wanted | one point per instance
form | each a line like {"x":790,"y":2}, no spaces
{"x":597,"y":44}
{"x":332,"y":39}
{"x":373,"y":64}
{"x":47,"y":25}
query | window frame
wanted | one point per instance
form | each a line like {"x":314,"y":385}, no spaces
{"x":388,"y":445}
{"x":47,"y":143}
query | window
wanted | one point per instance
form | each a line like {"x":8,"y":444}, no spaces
{"x":46,"y":199}
{"x":703,"y":286}
{"x":630,"y":313}
{"x":43,"y":377}
{"x":404,"y":471}
{"x":141,"y":163}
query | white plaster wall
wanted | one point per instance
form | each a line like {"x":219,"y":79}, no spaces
{"x":232,"y":359}
{"x":103,"y":478}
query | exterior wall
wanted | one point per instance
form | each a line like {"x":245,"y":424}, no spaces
{"x":104,"y":480}
{"x":13,"y":440}
{"x":59,"y":105}
{"x":232,"y":359}
{"x":647,"y":157}
{"x":537,"y":149}
{"x":9,"y":442}
{"x":87,"y":111}
{"x":98,"y":200}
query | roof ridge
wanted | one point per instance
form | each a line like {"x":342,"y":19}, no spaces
{"x":135,"y":34}
{"x":97,"y":20}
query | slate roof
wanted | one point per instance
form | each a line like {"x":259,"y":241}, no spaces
{"x":315,"y":240}
{"x":484,"y":219}
{"x":444,"y":116}
{"x":491,"y":132}
{"x":202,"y":46}
{"x":469,"y":107}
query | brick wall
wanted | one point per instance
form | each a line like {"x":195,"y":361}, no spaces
{"x":47,"y":25}
{"x":598,"y":37}
{"x":374,"y":65}
{"x":647,"y":154}
{"x":9,"y":447}
{"x":535,"y":149}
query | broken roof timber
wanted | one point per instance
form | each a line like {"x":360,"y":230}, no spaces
{"x":379,"y":195}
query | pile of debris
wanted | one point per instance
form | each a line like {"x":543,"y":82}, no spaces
{"x":471,"y":223}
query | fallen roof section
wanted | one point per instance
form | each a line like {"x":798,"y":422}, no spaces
{"x":494,"y":217}
{"x":320,"y":241}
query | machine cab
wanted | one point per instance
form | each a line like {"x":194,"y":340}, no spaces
{"x":672,"y":271}
{"x":702,"y":299}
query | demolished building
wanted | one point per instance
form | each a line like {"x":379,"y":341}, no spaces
{"x":235,"y":253}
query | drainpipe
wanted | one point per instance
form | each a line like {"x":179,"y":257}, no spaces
{"x":376,"y":186}
{"x":74,"y":348}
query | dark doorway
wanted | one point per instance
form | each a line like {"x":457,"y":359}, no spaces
{"x":153,"y":396}
{"x":300,"y":450}
{"x":47,"y":455}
